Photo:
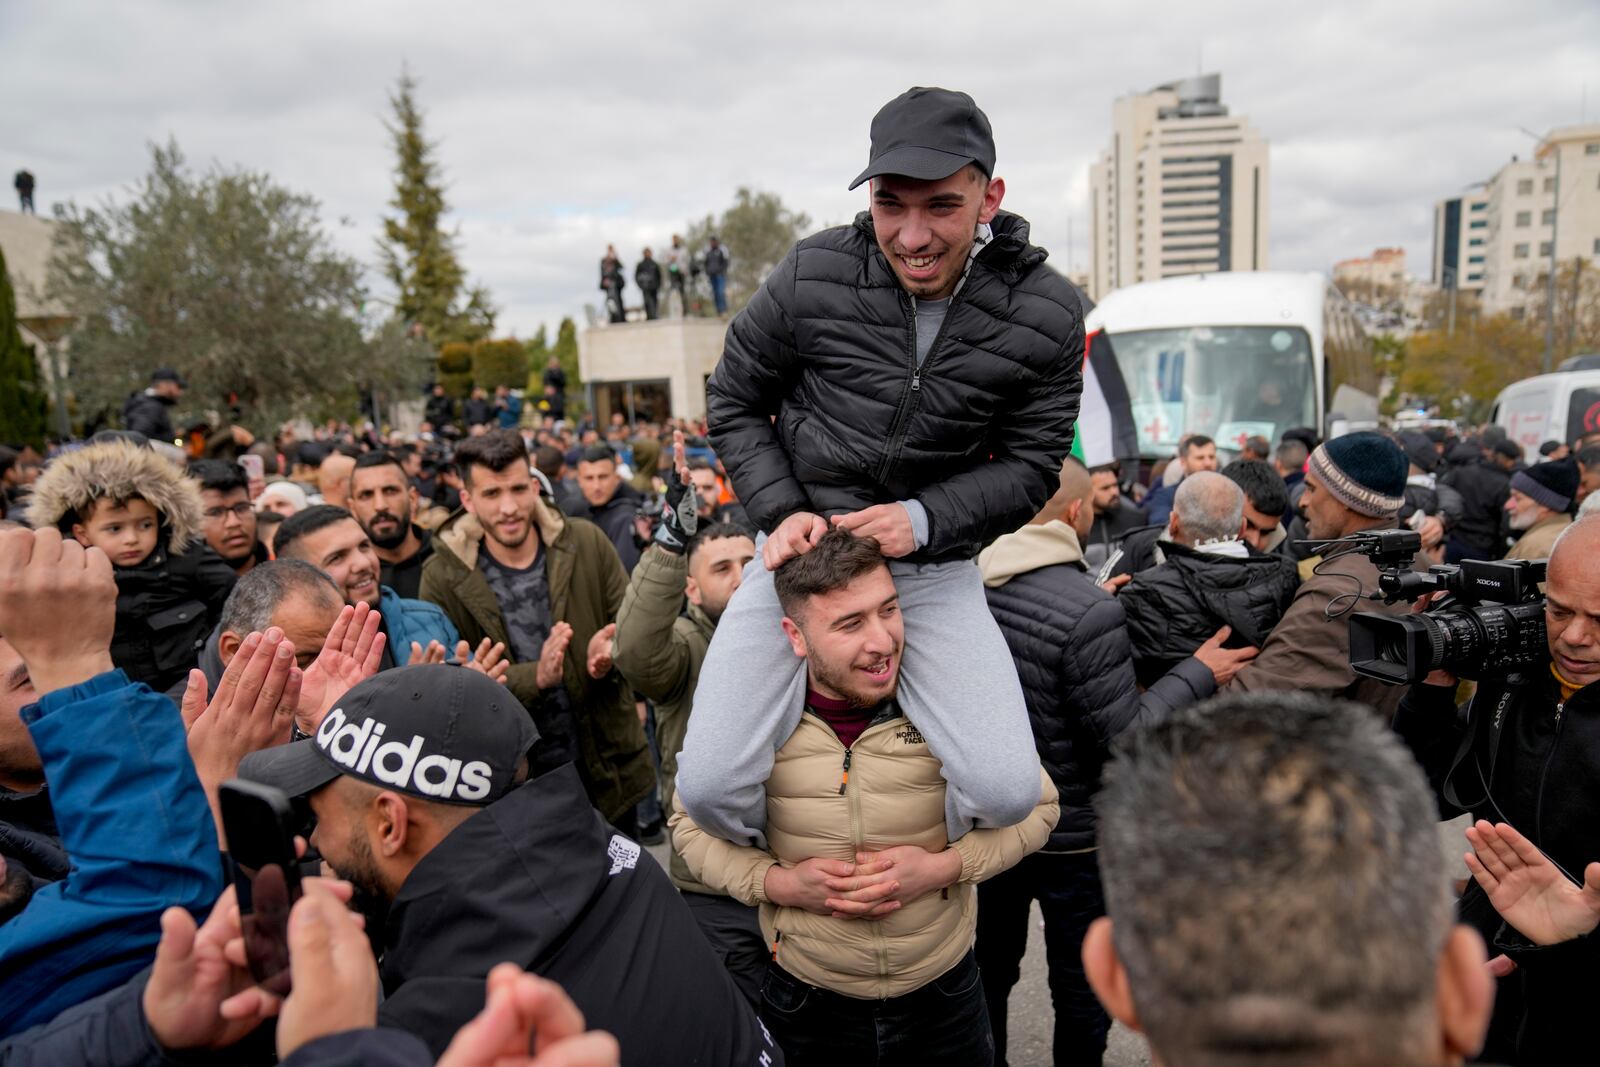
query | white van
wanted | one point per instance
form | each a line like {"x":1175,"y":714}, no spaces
{"x":1235,"y":355}
{"x":1549,"y":407}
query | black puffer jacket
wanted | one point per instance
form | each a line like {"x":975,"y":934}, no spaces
{"x":1175,"y":607}
{"x":828,"y":347}
{"x":1070,"y":642}
{"x":615,"y":517}
{"x":149,"y":414}
{"x":1483,"y":488}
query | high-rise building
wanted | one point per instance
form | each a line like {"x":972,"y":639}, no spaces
{"x":1460,"y":241}
{"x":1524,"y":221}
{"x":1181,"y":189}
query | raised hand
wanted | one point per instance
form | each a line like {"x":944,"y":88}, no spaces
{"x":253,"y":708}
{"x":58,"y":606}
{"x":601,"y":645}
{"x":529,"y":1021}
{"x":1528,"y":890}
{"x":552,"y":655}
{"x":434,"y":653}
{"x":351,"y":653}
{"x":335,"y":976}
{"x":489,"y":659}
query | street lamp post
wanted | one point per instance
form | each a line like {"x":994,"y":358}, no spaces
{"x":1550,"y":287}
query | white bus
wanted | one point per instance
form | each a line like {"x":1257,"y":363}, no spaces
{"x":1236,"y":355}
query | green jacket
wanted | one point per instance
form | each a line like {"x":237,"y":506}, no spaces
{"x":659,"y":651}
{"x":586,"y":589}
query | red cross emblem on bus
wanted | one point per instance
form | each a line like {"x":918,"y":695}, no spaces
{"x":1240,"y":439}
{"x":1157,"y":429}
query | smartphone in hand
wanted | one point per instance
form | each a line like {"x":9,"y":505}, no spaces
{"x":260,"y":828}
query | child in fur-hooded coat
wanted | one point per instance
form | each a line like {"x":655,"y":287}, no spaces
{"x":146,"y":516}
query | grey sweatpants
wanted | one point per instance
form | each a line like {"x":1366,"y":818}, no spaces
{"x":958,"y":686}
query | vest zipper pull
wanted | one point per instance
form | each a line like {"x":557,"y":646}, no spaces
{"x":846,"y":777}
{"x":916,"y":381}
{"x":778,"y":936}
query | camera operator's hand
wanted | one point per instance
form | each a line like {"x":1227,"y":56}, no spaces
{"x":1444,"y":679}
{"x":58,"y":606}
{"x":679,"y":519}
{"x":1224,"y":663}
{"x":1526,"y":888}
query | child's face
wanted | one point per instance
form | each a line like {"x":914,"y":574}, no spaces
{"x":126,"y":532}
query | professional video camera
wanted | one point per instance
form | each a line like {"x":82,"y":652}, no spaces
{"x":1491,"y":623}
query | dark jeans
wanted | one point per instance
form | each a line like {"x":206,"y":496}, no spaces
{"x":734,"y":930}
{"x":719,"y":291}
{"x":1067,"y":888}
{"x":649,"y":296}
{"x":944,"y":1022}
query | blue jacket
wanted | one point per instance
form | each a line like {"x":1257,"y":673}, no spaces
{"x":1157,"y":506}
{"x":135,"y":822}
{"x":406,"y":621}
{"x":509,"y":414}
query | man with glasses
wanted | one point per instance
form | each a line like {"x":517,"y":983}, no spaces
{"x":229,"y":519}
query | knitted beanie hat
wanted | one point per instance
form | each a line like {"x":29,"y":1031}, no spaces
{"x":1552,"y":484}
{"x":1365,"y":471}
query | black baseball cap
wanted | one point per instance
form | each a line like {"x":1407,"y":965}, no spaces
{"x":929,"y":134}
{"x":439,"y":732}
{"x":167,"y":374}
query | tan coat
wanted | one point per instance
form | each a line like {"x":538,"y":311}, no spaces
{"x":1539,"y":539}
{"x":1309,"y":651}
{"x":894,"y":795}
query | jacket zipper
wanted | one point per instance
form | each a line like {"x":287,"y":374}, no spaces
{"x":908,"y":400}
{"x":1538,"y":803}
{"x":857,"y":843}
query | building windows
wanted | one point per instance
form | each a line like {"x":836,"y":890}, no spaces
{"x":1475,"y":242}
{"x":1481,"y":205}
{"x":1474,"y":259}
{"x":1525,"y":187}
{"x":1524,"y":218}
{"x":1477,"y":224}
{"x":1518,"y":313}
{"x":1520,"y":251}
{"x":1544,"y":248}
{"x":1597,"y":246}
{"x":1592,"y":148}
{"x":1549,"y":185}
{"x":1548,"y":218}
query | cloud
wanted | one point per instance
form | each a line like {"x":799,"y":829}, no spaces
{"x":564,"y":127}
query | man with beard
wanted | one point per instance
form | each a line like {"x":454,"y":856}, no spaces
{"x":228,"y":519}
{"x":420,"y":783}
{"x":383,"y":502}
{"x":1114,"y":515}
{"x":659,"y":651}
{"x":608,"y":501}
{"x":868,"y":906}
{"x":331,"y":540}
{"x":511,"y":569}
{"x":1538,"y":506}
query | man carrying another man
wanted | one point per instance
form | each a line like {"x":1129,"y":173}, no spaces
{"x":868,"y":906}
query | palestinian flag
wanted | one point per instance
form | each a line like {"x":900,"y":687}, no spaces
{"x":1105,"y":414}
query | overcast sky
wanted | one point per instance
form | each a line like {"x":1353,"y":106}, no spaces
{"x":562,"y":127}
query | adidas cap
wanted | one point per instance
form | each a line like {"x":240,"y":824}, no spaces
{"x":438,"y":732}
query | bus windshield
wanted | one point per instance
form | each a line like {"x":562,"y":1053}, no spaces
{"x":1228,"y":382}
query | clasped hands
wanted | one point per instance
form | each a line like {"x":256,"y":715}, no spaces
{"x":875,"y":885}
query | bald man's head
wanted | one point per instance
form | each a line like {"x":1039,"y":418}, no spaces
{"x":1207,"y":507}
{"x":1076,"y":487}
{"x":1572,"y":590}
{"x":333,"y":479}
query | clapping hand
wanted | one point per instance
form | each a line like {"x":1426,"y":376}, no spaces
{"x":253,"y":708}
{"x":352,"y":653}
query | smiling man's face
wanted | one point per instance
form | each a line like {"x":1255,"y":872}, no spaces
{"x":926,"y":229}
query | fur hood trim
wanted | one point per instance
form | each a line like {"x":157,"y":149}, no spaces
{"x":119,"y":470}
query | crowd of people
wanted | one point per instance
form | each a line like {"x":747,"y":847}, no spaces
{"x":677,"y":271}
{"x":874,"y":658}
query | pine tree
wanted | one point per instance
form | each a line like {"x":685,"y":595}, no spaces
{"x":419,"y":256}
{"x":22,"y":398}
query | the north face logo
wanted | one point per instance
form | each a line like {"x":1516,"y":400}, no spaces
{"x":624,"y":854}
{"x":363,"y":751}
{"x":910,"y":735}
